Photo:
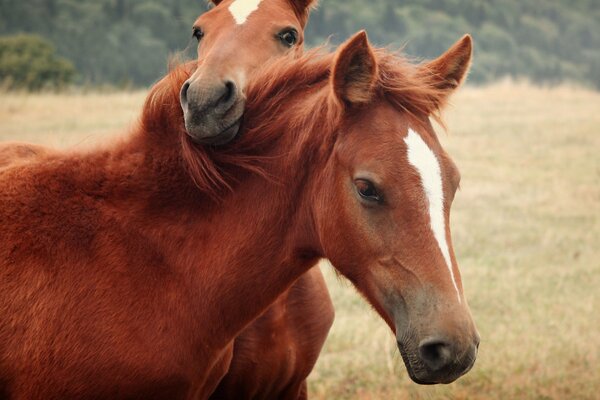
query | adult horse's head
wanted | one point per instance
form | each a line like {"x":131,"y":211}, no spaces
{"x":234,"y":38}
{"x":383,"y":203}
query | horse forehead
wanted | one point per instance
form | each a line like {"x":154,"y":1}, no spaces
{"x":243,"y":10}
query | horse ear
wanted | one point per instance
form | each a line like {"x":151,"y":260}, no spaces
{"x":354,"y":71}
{"x":448,"y":71}
{"x":215,"y":2}
{"x":304,"y":4}
{"x":302,"y":8}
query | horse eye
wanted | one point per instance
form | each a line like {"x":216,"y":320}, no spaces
{"x":198,"y":33}
{"x":289,"y":37}
{"x":367,"y":190}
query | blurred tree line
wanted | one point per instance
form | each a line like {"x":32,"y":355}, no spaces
{"x":128,"y":41}
{"x":30,"y":62}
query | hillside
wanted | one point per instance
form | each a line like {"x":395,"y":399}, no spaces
{"x":128,"y":41}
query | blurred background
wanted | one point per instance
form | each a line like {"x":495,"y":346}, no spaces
{"x":525,"y":133}
{"x":126,"y":42}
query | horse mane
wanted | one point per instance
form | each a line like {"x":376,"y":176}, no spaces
{"x":274,"y":105}
{"x":272,"y":111}
{"x":409,"y":87}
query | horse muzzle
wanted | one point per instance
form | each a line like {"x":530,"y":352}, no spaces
{"x":436,"y":360}
{"x":212,"y":113}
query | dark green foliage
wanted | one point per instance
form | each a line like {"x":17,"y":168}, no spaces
{"x":110,"y":41}
{"x":129,"y":41}
{"x":29,"y":62}
{"x":546,"y":41}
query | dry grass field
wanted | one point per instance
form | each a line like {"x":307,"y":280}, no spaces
{"x":526,"y":229}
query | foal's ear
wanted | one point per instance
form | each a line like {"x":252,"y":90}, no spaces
{"x":354,"y":71}
{"x":303,"y":5}
{"x":448,"y":71}
{"x":302,"y":8}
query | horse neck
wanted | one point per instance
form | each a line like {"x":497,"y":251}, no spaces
{"x":262,"y":238}
{"x":134,"y":169}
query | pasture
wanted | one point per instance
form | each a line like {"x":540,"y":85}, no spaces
{"x":526,"y":230}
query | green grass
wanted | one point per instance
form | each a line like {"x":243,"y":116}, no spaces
{"x":526,"y":230}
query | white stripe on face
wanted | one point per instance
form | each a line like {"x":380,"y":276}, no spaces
{"x":426,"y":163}
{"x":241,"y":9}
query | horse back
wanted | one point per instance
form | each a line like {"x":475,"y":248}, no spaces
{"x":16,"y":153}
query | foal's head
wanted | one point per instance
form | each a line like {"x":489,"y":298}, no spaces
{"x":383,"y":203}
{"x":234,"y":38}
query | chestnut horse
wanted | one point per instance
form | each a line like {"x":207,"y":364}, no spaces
{"x":119,"y":278}
{"x":288,"y":337}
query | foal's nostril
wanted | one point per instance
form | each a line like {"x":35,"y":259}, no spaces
{"x":229,"y":90}
{"x":227,"y":99}
{"x":435,"y":353}
{"x":183,"y":93}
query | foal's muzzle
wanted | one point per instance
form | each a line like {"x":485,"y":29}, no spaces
{"x":438,"y":360}
{"x":212,"y":112}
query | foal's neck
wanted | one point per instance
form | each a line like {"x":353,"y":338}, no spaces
{"x":261,"y":238}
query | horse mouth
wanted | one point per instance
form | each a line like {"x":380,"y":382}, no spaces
{"x":210,"y":128}
{"x":214,"y":133}
{"x":416,"y":370}
{"x":412,"y":372}
{"x":227,"y":134}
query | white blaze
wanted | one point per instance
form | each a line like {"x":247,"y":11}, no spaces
{"x":426,"y":163}
{"x":241,"y":9}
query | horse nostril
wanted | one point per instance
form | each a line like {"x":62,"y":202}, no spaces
{"x":183,"y":93}
{"x":229,"y":90}
{"x":435,"y":353}
{"x":228,"y":97}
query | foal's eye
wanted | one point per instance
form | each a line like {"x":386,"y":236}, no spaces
{"x":367,"y":190}
{"x":288,"y":37}
{"x":198,"y":33}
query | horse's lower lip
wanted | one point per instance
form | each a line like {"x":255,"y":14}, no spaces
{"x":409,"y":368}
{"x":225,"y":136}
{"x":229,"y":133}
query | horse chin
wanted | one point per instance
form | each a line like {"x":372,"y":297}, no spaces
{"x":219,"y":137}
{"x":413,"y":371}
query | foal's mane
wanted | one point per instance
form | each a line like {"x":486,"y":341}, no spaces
{"x":274,"y":108}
